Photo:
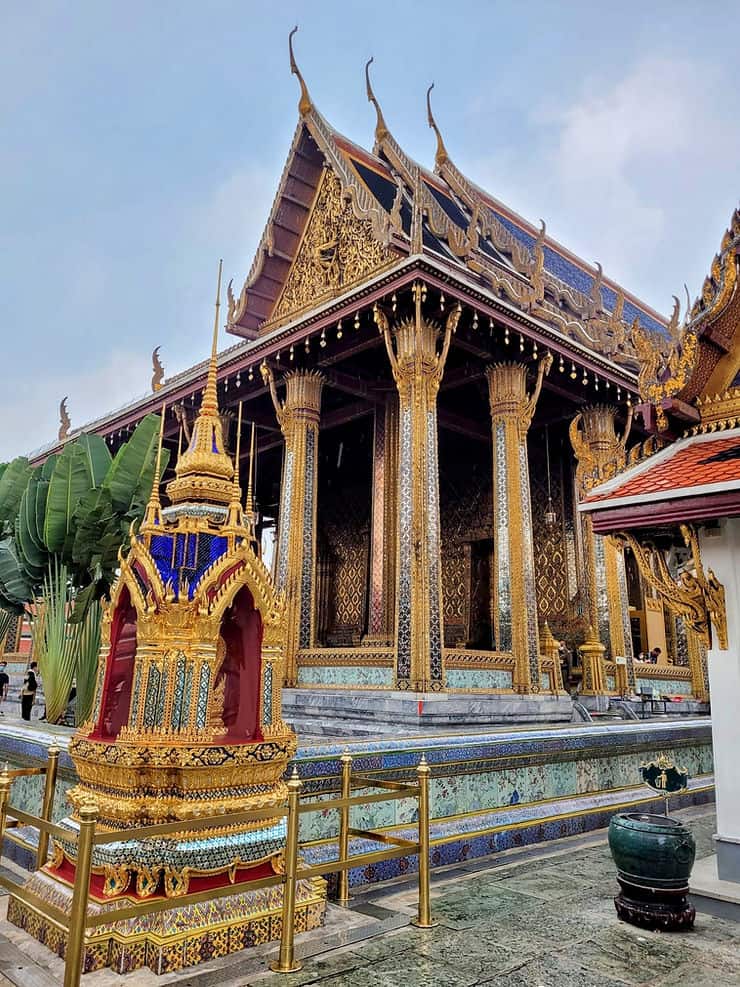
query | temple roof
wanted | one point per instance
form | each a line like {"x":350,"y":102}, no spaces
{"x":412,"y":210}
{"x":704,"y":367}
{"x":695,"y":465}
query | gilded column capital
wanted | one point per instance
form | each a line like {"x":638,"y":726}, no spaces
{"x":601,"y":452}
{"x":507,"y":390}
{"x":302,"y":394}
{"x":412,"y":344}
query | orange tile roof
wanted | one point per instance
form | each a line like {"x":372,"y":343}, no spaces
{"x":693,"y":464}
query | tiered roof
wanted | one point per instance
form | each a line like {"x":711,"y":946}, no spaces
{"x":441,"y":215}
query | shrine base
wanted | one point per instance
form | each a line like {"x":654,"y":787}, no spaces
{"x":174,"y":938}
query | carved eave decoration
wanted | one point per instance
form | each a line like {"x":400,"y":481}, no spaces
{"x":314,"y":153}
{"x":705,"y":360}
{"x":527,"y":283}
{"x":696,"y":596}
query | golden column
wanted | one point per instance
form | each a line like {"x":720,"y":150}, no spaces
{"x":417,"y":370}
{"x":515,"y":611}
{"x":600,"y":453}
{"x":298,"y":417}
{"x":381,"y":610}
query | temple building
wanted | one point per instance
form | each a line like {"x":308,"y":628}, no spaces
{"x":677,"y":510}
{"x":436,"y":384}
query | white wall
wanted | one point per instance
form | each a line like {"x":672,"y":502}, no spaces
{"x":721,"y":553}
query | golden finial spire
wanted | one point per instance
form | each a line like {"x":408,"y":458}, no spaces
{"x":209,"y":405}
{"x":205,"y":470}
{"x":152,"y":515}
{"x":381,"y":129}
{"x":441,"y":157}
{"x":235,"y":520}
{"x":304,"y":104}
{"x":250,"y":481}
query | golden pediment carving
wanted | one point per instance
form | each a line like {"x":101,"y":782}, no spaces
{"x":336,"y":251}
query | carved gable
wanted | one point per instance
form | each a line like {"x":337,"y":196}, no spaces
{"x":337,"y":250}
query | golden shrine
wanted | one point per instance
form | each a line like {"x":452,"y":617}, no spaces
{"x":435,"y":385}
{"x":186,"y":723}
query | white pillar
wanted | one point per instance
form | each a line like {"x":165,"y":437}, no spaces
{"x":720,"y":551}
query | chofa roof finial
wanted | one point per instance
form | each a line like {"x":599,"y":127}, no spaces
{"x":381,"y":128}
{"x":441,"y":156}
{"x":304,"y":104}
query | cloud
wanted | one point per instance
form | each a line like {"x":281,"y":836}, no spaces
{"x":628,"y":173}
{"x":29,"y":409}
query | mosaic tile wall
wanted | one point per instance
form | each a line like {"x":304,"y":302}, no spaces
{"x":340,"y":676}
{"x":578,"y":768}
{"x":479,"y":678}
{"x":671,"y":687}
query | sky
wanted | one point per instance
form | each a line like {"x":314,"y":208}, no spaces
{"x":141,"y":141}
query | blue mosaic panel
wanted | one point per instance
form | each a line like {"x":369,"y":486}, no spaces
{"x":286,"y":503}
{"x":134,"y":715}
{"x":602,"y":596}
{"x":404,"y":546}
{"x":611,"y":683}
{"x":530,"y":586}
{"x":151,"y":700}
{"x":267,"y":694}
{"x":304,"y":625}
{"x":503,"y":560}
{"x":186,"y":555}
{"x":201,"y":710}
{"x":187,"y":693}
{"x":178,"y":715}
{"x":433,"y":540}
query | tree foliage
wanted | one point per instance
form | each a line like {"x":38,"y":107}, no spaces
{"x":61,"y":528}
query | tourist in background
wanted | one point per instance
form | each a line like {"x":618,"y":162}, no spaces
{"x":655,"y":655}
{"x":4,"y":683}
{"x":28,"y":692}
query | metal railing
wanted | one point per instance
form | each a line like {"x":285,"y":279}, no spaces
{"x":78,"y":921}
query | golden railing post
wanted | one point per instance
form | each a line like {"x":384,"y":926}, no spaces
{"x":76,"y":935}
{"x":346,"y":762}
{"x":424,"y":919}
{"x":47,"y":804}
{"x":286,"y":961}
{"x":5,"y":783}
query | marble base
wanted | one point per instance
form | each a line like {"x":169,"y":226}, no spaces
{"x":711,"y":894}
{"x":175,"y":938}
{"x":334,"y":712}
{"x":728,"y":859}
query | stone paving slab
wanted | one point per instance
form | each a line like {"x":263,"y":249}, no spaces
{"x":538,"y":917}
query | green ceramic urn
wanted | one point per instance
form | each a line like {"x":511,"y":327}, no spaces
{"x":654,"y":856}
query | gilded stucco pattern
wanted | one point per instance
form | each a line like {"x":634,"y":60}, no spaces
{"x":344,"y":519}
{"x":337,"y":250}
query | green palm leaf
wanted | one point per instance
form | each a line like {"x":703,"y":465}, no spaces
{"x":88,"y":650}
{"x":12,"y":484}
{"x":129,"y":479}
{"x":97,"y":455}
{"x":14,"y":584}
{"x":70,"y":480}
{"x":54,"y":642}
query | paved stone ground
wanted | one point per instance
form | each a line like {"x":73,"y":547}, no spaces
{"x":538,"y":917}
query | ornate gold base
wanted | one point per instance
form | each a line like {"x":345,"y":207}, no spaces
{"x":173,"y":939}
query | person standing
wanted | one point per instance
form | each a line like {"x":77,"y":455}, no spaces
{"x":4,"y":683}
{"x":28,"y":692}
{"x":655,"y":655}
